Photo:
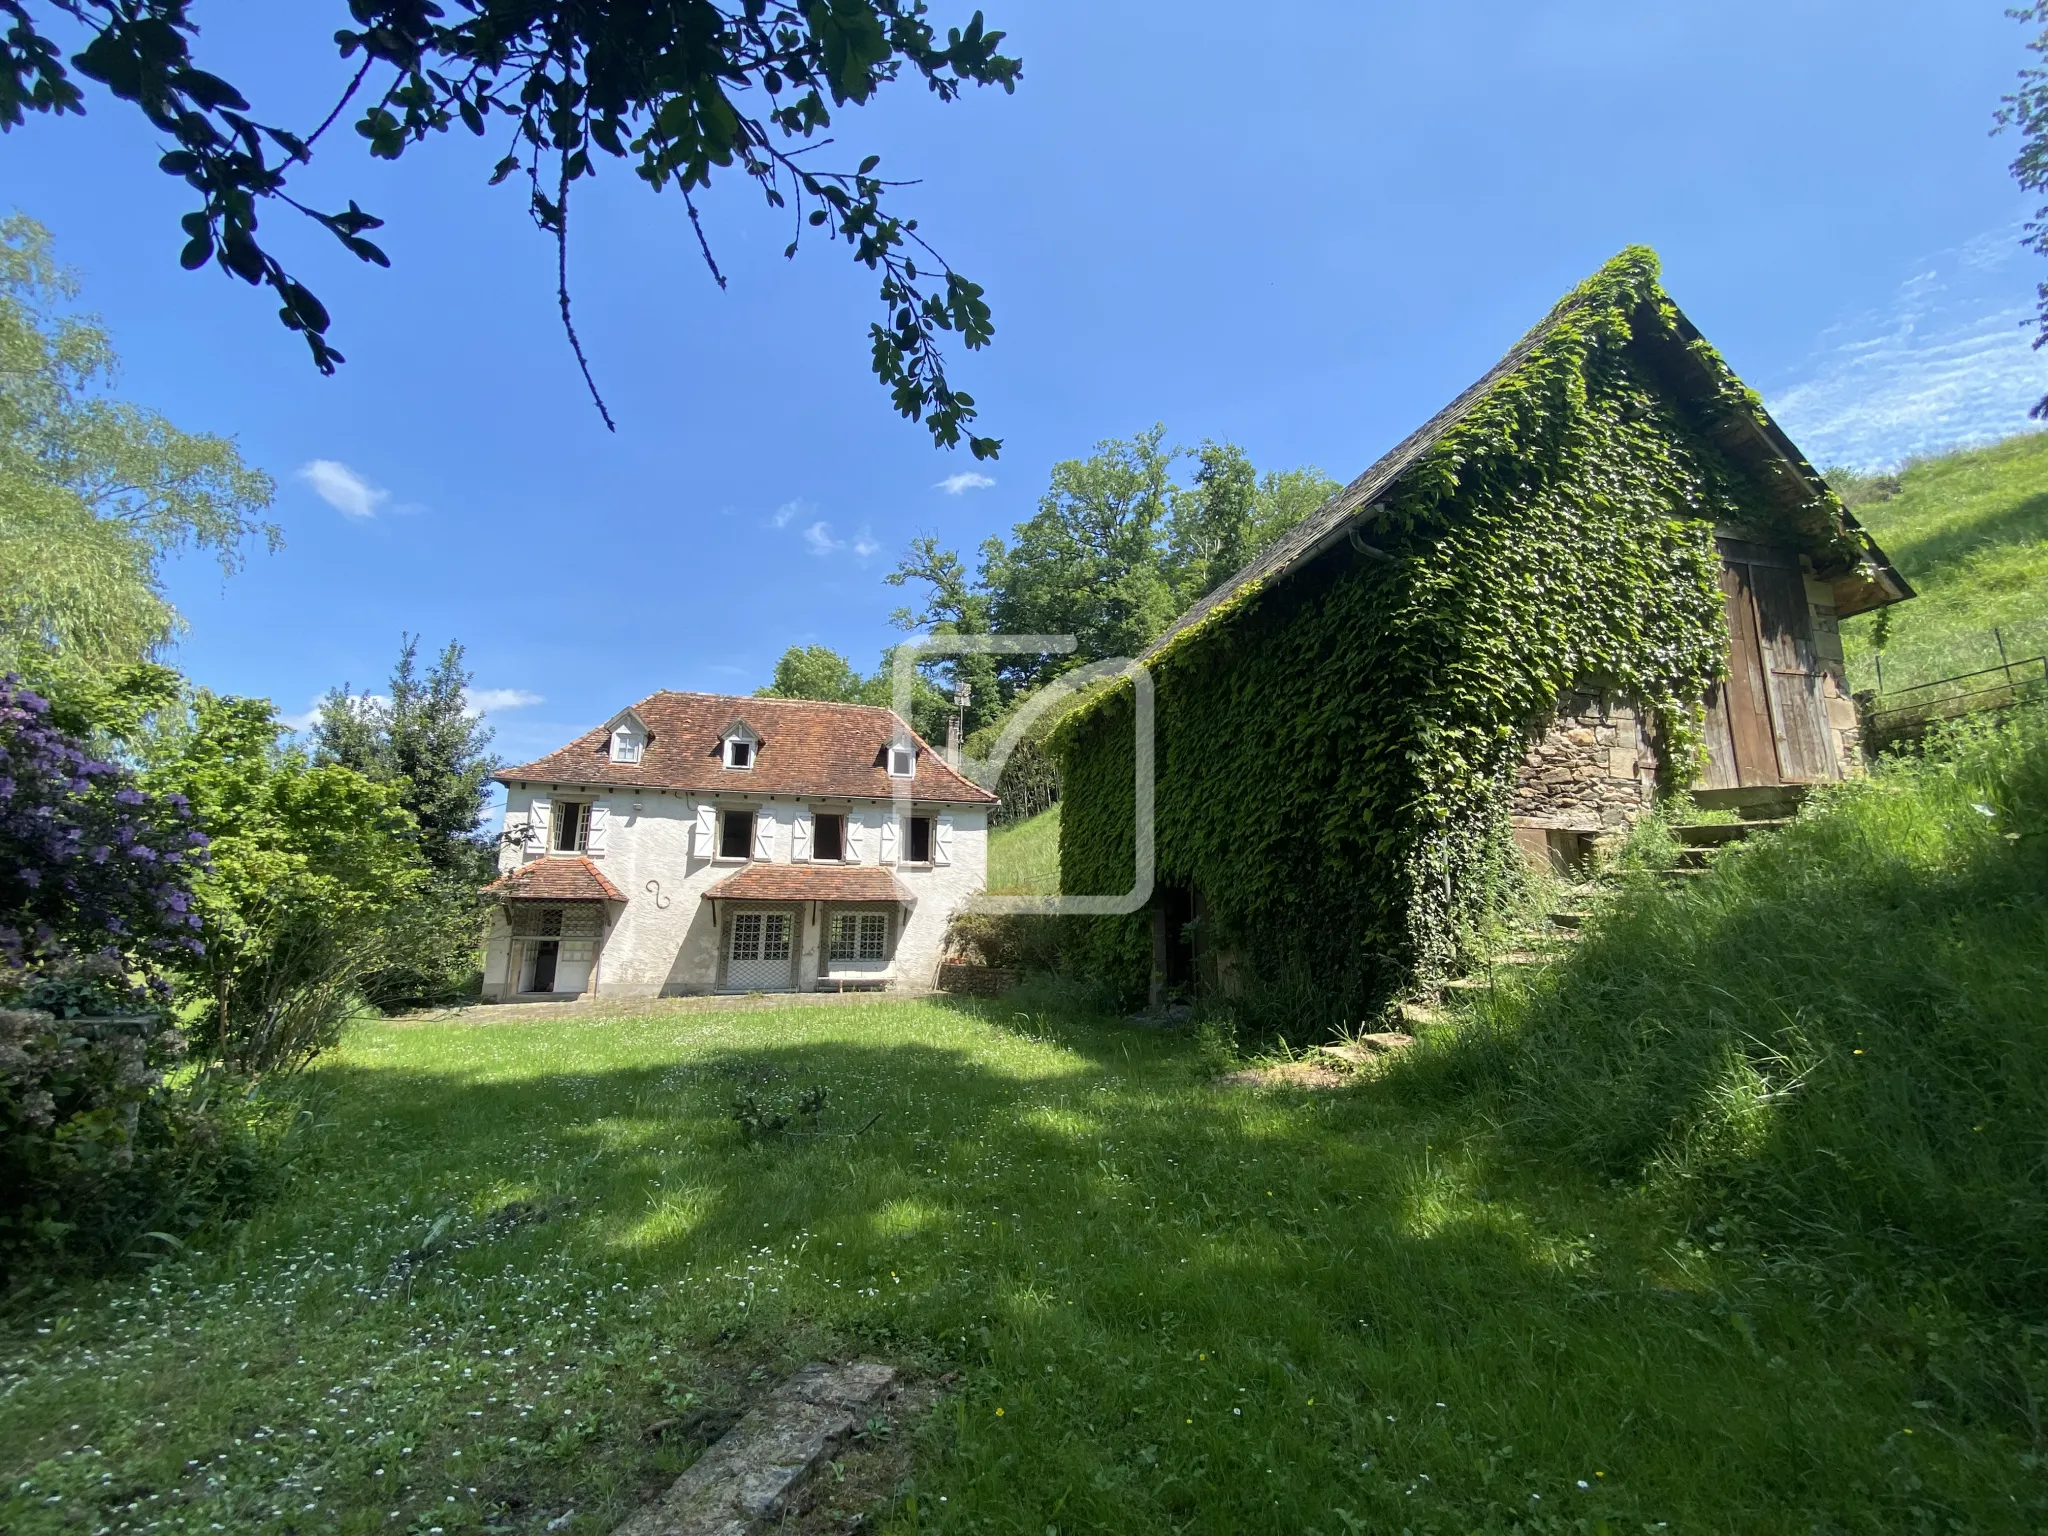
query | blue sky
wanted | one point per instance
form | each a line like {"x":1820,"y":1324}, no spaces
{"x":1301,"y":227}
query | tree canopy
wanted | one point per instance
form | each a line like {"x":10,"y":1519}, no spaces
{"x":1117,"y":549}
{"x":422,"y":739}
{"x":95,"y":493}
{"x":682,"y":90}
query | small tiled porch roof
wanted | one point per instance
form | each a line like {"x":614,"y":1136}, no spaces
{"x":811,"y":882}
{"x":555,"y":879}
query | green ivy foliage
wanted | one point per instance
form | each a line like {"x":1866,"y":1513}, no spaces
{"x":1335,"y":754}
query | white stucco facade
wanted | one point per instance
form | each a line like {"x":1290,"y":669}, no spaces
{"x":663,"y":937}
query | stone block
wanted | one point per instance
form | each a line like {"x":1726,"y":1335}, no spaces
{"x":751,"y":1477}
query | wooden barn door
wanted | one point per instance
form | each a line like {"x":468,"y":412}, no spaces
{"x":1767,"y":723}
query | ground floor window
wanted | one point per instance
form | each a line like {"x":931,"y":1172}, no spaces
{"x":757,"y":952}
{"x":557,"y":945}
{"x":859,"y":936}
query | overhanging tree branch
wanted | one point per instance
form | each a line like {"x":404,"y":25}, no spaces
{"x":660,"y":85}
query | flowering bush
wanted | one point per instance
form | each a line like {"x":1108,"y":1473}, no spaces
{"x":89,"y":863}
{"x":95,"y":905}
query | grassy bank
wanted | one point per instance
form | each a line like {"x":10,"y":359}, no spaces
{"x":1970,"y":531}
{"x":1175,"y":1306}
{"x":1024,"y":857}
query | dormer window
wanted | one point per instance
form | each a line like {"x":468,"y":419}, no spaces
{"x":628,"y":737}
{"x":902,"y":761}
{"x":738,"y":747}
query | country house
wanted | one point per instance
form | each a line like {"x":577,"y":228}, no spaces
{"x":703,"y":843}
{"x":1602,"y":568}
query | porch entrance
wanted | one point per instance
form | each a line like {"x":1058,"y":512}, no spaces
{"x":759,"y":956}
{"x":1767,"y":721}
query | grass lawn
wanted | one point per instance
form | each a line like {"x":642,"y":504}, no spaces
{"x":1173,"y":1305}
{"x":1970,"y":531}
{"x":1024,"y":857}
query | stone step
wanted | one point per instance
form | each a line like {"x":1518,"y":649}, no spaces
{"x":1755,"y":802}
{"x":1569,"y":921}
{"x":1713,"y":834}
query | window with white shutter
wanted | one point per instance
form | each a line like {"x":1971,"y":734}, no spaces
{"x":600,"y":825}
{"x":942,"y":841}
{"x":537,"y":826}
{"x":888,"y":838}
{"x":764,"y":834}
{"x":800,"y":837}
{"x":705,"y":834}
{"x":856,"y":828}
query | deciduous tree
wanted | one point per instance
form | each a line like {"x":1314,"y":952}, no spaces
{"x":95,"y":492}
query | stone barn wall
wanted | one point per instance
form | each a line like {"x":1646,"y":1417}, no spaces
{"x":1590,"y":770}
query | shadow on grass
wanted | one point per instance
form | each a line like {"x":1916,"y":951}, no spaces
{"x":1216,"y":1310}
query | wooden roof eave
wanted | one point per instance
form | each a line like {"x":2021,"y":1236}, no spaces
{"x":1869,"y":582}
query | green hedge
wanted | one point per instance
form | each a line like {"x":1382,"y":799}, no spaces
{"x":1335,"y":754}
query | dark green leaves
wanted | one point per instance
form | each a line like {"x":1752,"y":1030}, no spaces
{"x":656,"y":85}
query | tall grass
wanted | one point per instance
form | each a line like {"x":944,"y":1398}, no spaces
{"x":1970,"y":531}
{"x":1840,"y":1035}
{"x":1024,"y":857}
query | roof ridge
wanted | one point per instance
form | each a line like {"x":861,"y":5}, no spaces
{"x":767,"y":698}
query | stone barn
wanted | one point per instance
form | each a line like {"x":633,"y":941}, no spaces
{"x":1601,"y":572}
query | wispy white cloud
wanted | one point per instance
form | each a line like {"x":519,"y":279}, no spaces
{"x":786,"y":513}
{"x":821,"y":541}
{"x":966,"y":480}
{"x":1946,"y":362}
{"x":342,"y":488}
{"x":481,"y":701}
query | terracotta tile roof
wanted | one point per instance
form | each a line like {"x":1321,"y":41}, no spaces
{"x":811,"y":882}
{"x":832,"y":751}
{"x":555,"y":879}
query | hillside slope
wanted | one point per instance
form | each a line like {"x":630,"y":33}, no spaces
{"x":1024,"y":857}
{"x":1970,"y":531}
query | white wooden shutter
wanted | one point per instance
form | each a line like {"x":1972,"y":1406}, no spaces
{"x":942,"y":840}
{"x":888,"y":837}
{"x":537,"y":826}
{"x":594,"y":833}
{"x":800,"y":837}
{"x":706,"y":830}
{"x":764,"y":833}
{"x":850,"y":835}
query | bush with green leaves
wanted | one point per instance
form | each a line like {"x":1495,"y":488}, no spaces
{"x":421,"y":741}
{"x":100,"y":1155}
{"x":314,"y":870}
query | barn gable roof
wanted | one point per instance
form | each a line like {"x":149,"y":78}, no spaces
{"x":1691,"y":372}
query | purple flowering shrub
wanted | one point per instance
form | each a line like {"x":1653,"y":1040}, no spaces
{"x":94,"y":902}
{"x":89,"y":863}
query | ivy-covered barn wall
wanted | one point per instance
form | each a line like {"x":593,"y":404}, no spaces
{"x":1334,"y":754}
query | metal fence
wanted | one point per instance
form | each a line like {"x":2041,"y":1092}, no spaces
{"x":1906,"y":712}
